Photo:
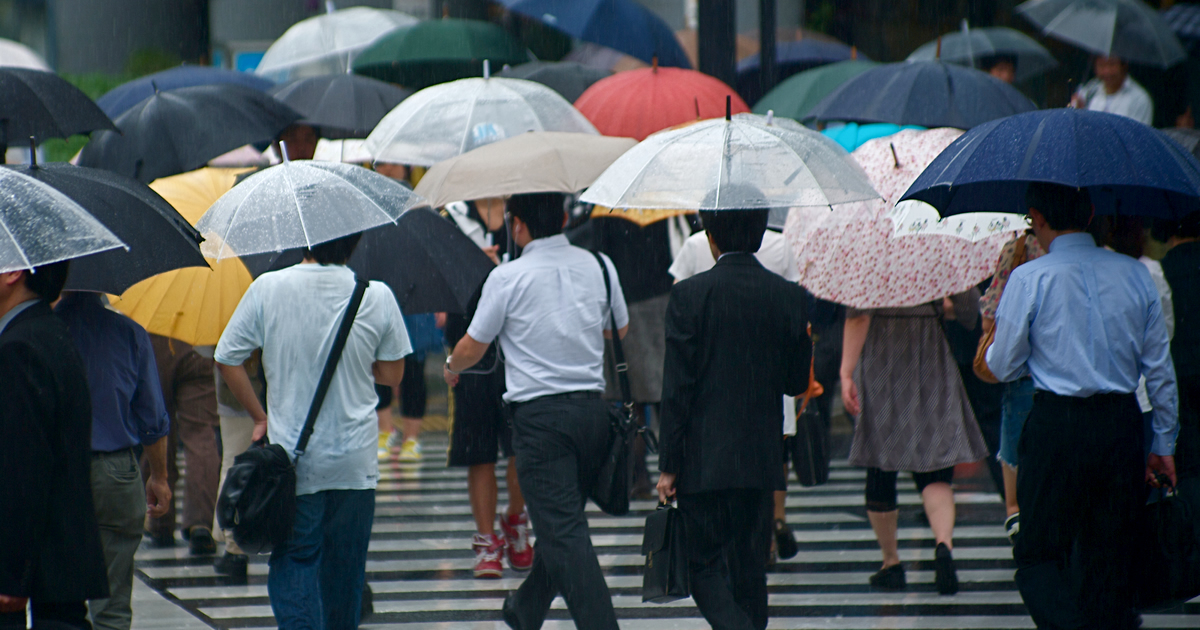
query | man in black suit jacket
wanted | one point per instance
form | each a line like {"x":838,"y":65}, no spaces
{"x":49,"y":542}
{"x":737,"y":342}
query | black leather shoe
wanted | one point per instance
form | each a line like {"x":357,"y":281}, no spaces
{"x":201,"y":542}
{"x":785,"y":541}
{"x":510,"y":614}
{"x":891,"y":578}
{"x":235,"y":565}
{"x":946,"y":577}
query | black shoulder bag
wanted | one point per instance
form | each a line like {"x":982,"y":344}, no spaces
{"x":258,"y":500}
{"x":611,"y":490}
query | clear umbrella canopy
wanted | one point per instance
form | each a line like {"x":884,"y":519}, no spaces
{"x":300,"y":204}
{"x":327,"y":44}
{"x":450,"y":119}
{"x":21,"y":56}
{"x":39,"y":225}
{"x":748,"y":161}
{"x":1128,"y":29}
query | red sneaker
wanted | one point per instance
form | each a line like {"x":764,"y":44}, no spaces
{"x":516,"y":535}
{"x":489,"y":549}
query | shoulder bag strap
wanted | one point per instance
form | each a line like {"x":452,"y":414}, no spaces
{"x":622,"y":368}
{"x":335,"y":355}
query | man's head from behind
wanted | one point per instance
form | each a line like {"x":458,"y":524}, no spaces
{"x":44,"y":282}
{"x":335,"y":252}
{"x":1055,"y":208}
{"x":536,"y":215}
{"x":732,"y":231}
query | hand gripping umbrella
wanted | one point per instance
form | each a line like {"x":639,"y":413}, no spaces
{"x":180,"y":130}
{"x":1127,"y":167}
{"x":300,"y":204}
{"x":43,"y":105}
{"x":739,"y":162}
{"x":157,"y":237}
{"x":39,"y":225}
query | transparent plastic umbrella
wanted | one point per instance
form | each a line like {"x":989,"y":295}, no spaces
{"x":450,"y":119}
{"x":39,"y":225}
{"x":746,"y":161}
{"x":300,"y":204}
{"x":328,"y":43}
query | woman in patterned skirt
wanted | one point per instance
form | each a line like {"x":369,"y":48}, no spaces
{"x":901,"y":381}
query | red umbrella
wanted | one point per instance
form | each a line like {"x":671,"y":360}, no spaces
{"x":637,"y":103}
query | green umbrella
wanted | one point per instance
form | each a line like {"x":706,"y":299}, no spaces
{"x":795,"y":97}
{"x":438,"y":51}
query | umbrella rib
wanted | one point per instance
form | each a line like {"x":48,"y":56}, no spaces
{"x":17,"y":245}
{"x":236,"y":211}
{"x":292,"y":189}
{"x":364,"y":195}
{"x":462,"y":144}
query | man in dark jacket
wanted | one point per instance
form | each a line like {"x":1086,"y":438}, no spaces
{"x":50,"y":551}
{"x":736,"y":343}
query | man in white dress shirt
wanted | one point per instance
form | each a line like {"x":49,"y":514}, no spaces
{"x":550,"y":311}
{"x":1113,"y":91}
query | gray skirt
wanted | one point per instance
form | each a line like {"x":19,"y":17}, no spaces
{"x":915,"y":413}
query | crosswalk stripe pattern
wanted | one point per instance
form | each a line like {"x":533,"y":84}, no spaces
{"x":420,"y":560}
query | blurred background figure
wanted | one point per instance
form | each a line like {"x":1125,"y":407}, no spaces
{"x":1115,"y":92}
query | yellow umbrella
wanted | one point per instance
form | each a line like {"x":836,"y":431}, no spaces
{"x":640,"y":217}
{"x":192,"y":304}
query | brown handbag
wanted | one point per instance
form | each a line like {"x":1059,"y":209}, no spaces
{"x":989,"y":327}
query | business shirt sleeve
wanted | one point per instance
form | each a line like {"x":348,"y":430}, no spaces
{"x":244,"y":332}
{"x":1142,"y":110}
{"x":491,"y":311}
{"x":1009,"y":353}
{"x":1157,"y":367}
{"x":679,"y":378}
{"x":394,"y":343}
{"x":617,"y":295}
{"x":27,"y":458}
{"x":147,"y":406}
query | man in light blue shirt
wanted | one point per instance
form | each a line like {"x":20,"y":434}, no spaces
{"x":1085,"y":323}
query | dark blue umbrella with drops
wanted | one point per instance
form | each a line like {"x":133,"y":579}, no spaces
{"x":924,"y":93}
{"x":120,"y":99}
{"x":622,"y":25}
{"x":790,"y":58}
{"x":1127,"y":167}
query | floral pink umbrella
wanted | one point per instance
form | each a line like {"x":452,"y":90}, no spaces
{"x":850,"y":256}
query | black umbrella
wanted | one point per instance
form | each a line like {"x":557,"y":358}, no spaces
{"x":180,"y":130}
{"x":341,"y":105}
{"x":159,"y":239}
{"x":43,"y":105}
{"x":430,"y":265}
{"x":925,"y":93}
{"x":568,"y":78}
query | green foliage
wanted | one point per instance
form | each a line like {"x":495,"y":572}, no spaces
{"x":820,"y":19}
{"x":150,"y":60}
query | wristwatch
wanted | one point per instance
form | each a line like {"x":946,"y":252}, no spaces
{"x":448,"y":368}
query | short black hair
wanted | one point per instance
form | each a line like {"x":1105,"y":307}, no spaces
{"x":47,"y":280}
{"x":1127,"y":235}
{"x":736,"y":230}
{"x":1187,"y":227}
{"x":1065,"y":207}
{"x":542,"y":213}
{"x":991,"y":61}
{"x":335,"y":252}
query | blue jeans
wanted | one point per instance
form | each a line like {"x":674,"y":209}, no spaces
{"x":316,"y":579}
{"x":1014,"y":410}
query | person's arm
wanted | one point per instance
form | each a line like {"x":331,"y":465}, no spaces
{"x":854,"y":337}
{"x":1157,"y":367}
{"x":466,"y":353}
{"x":238,"y":382}
{"x":680,"y":376}
{"x":965,"y":306}
{"x":617,"y":296}
{"x":1142,"y":110}
{"x":241,"y":337}
{"x":388,"y":373}
{"x":158,"y":491}
{"x":1009,"y":353}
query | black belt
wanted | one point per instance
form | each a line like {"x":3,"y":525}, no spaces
{"x":119,"y":451}
{"x":588,"y":395}
{"x":1106,"y":398}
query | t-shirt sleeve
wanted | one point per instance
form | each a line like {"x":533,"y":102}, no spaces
{"x":394,"y":343}
{"x":617,"y":295}
{"x":492,"y":309}
{"x":244,"y":332}
{"x":686,"y":264}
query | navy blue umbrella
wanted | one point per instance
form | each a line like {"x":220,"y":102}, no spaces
{"x":1127,"y":167}
{"x":924,"y":93}
{"x":790,"y":58}
{"x":622,"y":25}
{"x":122,"y":98}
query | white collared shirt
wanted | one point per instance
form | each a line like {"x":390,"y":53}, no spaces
{"x":549,"y":310}
{"x":1131,"y":101}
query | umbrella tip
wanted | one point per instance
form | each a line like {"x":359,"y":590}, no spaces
{"x":938,"y":55}
{"x":770,"y":117}
{"x":895,"y":158}
{"x":154,"y":85}
{"x":283,"y":151}
{"x":654,"y":64}
{"x":487,"y":69}
{"x":854,"y":52}
{"x":329,"y":6}
{"x":32,"y":151}
{"x":728,"y":107}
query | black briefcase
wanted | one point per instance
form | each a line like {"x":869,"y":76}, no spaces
{"x":665,"y":547}
{"x":1167,"y":561}
{"x":810,"y":447}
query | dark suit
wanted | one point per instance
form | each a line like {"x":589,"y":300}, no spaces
{"x":49,"y":541}
{"x":736,"y":343}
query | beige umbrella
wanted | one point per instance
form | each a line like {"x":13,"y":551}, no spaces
{"x":538,"y":161}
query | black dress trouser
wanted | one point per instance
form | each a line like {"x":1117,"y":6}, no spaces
{"x":560,"y":446}
{"x":1081,"y":484}
{"x":728,"y":538}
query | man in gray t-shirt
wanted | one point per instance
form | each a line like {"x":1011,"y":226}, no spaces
{"x":316,"y":579}
{"x":550,"y":311}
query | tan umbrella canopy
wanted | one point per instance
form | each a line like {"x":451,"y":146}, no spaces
{"x":538,"y":161}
